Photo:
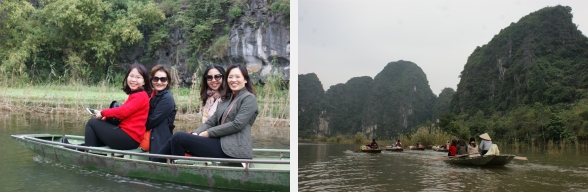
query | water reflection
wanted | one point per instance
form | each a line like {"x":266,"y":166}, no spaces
{"x":336,"y":167}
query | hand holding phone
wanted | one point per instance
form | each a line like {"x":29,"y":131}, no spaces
{"x":91,"y":111}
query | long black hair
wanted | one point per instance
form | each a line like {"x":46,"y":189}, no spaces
{"x":204,"y":85}
{"x":474,"y":140}
{"x":146,"y":77}
{"x":248,"y":85}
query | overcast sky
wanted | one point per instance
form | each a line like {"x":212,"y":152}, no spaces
{"x":341,"y":39}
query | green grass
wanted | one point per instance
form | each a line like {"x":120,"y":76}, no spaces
{"x":27,"y":98}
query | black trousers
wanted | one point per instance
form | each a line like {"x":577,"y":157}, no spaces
{"x":101,"y":133}
{"x":484,"y":152}
{"x":195,"y":145}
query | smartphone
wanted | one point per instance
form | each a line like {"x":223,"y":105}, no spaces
{"x":91,"y":111}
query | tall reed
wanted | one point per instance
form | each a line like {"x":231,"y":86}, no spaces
{"x":427,"y":135}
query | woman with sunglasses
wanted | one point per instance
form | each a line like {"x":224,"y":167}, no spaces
{"x":227,"y":133}
{"x":211,"y":89}
{"x":133,"y":115}
{"x":162,"y":109}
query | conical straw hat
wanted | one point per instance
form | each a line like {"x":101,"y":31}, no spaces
{"x":485,"y":136}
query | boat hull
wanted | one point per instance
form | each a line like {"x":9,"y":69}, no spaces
{"x":371,"y":151}
{"x":228,"y":177}
{"x":394,"y":149}
{"x":499,"y":160}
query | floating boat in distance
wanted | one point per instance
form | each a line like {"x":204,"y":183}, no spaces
{"x":365,"y":149}
{"x":487,"y":161}
{"x":371,"y":150}
{"x":416,"y":148}
{"x":396,"y":149}
{"x":439,"y":149}
{"x":267,"y":173}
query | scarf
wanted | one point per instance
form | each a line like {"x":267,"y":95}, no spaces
{"x":211,"y":104}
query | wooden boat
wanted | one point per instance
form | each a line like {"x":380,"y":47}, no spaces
{"x":499,"y":160}
{"x":370,"y":150}
{"x":442,"y":150}
{"x":416,"y":148}
{"x":390,"y":148}
{"x":260,"y":173}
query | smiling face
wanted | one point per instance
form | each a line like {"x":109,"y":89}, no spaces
{"x":160,"y":81}
{"x":236,"y":80}
{"x":216,"y":79}
{"x":135,"y":80}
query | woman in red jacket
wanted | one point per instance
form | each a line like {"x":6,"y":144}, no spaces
{"x":452,"y":148}
{"x":133,"y":115}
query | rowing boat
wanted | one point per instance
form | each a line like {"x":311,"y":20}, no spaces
{"x":498,"y":160}
{"x":416,"y":148}
{"x":370,"y":150}
{"x":260,"y":173}
{"x":396,"y":149}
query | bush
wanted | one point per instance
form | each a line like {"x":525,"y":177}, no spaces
{"x":359,"y":138}
{"x":235,"y":12}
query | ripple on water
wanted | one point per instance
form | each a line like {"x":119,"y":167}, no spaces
{"x":135,"y":183}
{"x":340,"y":169}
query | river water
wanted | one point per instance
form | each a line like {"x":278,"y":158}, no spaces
{"x":335,"y":167}
{"x":23,"y":170}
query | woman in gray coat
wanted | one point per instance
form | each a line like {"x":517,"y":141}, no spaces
{"x":227,"y":133}
{"x":162,"y":109}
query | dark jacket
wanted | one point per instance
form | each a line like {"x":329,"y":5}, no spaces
{"x":235,"y":134}
{"x":162,"y":113}
{"x":462,"y":150}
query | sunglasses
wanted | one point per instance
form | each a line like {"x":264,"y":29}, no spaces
{"x":217,"y":77}
{"x":156,"y":79}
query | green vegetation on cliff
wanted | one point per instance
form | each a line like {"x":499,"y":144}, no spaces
{"x":310,"y":99}
{"x":397,"y":100}
{"x":528,"y":83}
{"x":344,"y":104}
{"x":542,"y":58}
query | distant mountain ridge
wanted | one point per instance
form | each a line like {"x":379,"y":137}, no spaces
{"x":397,"y":99}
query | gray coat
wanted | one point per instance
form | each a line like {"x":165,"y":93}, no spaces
{"x":235,"y":134}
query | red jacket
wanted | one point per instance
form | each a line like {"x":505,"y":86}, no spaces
{"x":452,"y":150}
{"x":133,"y":114}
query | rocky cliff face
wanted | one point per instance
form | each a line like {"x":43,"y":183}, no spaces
{"x":541,"y":58}
{"x":397,"y":99}
{"x":400,"y":99}
{"x":258,"y":38}
{"x":310,"y":105}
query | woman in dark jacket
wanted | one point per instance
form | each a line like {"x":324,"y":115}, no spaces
{"x":462,"y":148}
{"x":162,"y":108}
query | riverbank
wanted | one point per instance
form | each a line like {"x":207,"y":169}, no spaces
{"x":433,"y":136}
{"x":69,"y":102}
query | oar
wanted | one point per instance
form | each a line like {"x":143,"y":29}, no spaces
{"x":521,"y":158}
{"x":445,"y":158}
